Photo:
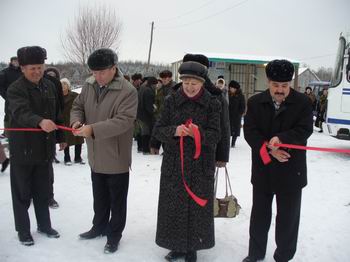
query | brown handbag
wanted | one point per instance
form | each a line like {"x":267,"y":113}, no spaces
{"x":228,"y":206}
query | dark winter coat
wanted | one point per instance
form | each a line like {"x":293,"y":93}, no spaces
{"x":182,"y":224}
{"x":28,"y":105}
{"x":236,"y":110}
{"x":223,"y":146}
{"x":68,"y":102}
{"x":161,"y":94}
{"x":292,"y":124}
{"x":145,"y":109}
{"x":7,"y":77}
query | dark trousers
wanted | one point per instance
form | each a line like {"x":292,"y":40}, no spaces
{"x":77,"y":153}
{"x":287,"y":224}
{"x":110,"y":193}
{"x":30,"y":182}
{"x":145,"y":143}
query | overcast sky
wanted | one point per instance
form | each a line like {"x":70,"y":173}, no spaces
{"x":305,"y":30}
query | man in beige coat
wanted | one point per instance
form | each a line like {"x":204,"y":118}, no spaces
{"x":104,"y":114}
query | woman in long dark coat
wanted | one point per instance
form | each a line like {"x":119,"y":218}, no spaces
{"x":236,"y":109}
{"x":71,"y":140}
{"x":183,"y":226}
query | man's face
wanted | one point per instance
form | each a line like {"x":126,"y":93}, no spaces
{"x":15,"y":63}
{"x":33,"y":73}
{"x":137,"y":82}
{"x":165,"y":80}
{"x":308,"y":91}
{"x":279,"y":90}
{"x":104,"y":77}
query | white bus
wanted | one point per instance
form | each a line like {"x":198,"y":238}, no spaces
{"x":337,"y":123}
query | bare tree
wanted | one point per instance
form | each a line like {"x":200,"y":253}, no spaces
{"x":324,"y":73}
{"x":93,"y":28}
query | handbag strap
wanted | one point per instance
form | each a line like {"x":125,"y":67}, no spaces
{"x":227,"y":182}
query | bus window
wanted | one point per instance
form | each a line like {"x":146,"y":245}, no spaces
{"x":338,"y":67}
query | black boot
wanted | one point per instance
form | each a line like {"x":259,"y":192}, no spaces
{"x":174,"y":255}
{"x":111,"y":247}
{"x":191,"y":256}
{"x":251,"y":259}
{"x":25,"y":238}
{"x":5,"y":164}
{"x":51,"y":233}
{"x":92,"y":233}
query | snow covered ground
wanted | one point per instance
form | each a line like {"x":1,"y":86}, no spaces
{"x":324,"y":233}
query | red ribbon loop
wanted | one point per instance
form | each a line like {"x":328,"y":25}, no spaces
{"x":265,"y":157}
{"x":197,"y":139}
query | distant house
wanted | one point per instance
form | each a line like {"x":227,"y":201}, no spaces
{"x":248,"y":70}
{"x":306,"y":76}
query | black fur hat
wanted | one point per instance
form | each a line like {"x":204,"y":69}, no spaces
{"x":193,"y":70}
{"x":202,"y":59}
{"x":234,"y":84}
{"x":280,"y":70}
{"x":102,"y":59}
{"x":31,"y":55}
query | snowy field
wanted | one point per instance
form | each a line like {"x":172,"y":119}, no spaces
{"x":324,"y":234}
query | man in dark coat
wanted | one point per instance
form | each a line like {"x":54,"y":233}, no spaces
{"x":277,"y":115}
{"x":236,"y":109}
{"x":7,"y":77}
{"x":223,"y":147}
{"x":183,"y":226}
{"x":33,"y":103}
{"x":145,"y":111}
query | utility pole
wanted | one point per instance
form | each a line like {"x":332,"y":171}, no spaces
{"x":150,"y":47}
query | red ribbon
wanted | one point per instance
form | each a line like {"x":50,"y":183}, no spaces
{"x":37,"y":129}
{"x":265,"y":157}
{"x":197,"y":139}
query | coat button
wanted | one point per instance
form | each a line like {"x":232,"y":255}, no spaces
{"x":298,"y":173}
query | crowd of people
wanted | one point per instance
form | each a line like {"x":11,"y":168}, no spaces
{"x":200,"y":117}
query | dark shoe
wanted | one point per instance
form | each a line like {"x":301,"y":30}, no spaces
{"x":92,"y":233}
{"x":320,"y":131}
{"x":173,"y":255}
{"x":251,"y":259}
{"x":191,"y":256}
{"x":51,"y":233}
{"x":79,"y":161}
{"x":53,"y":203}
{"x":56,"y":160}
{"x":111,"y":247}
{"x":68,"y":163}
{"x":5,"y":164}
{"x":25,"y":238}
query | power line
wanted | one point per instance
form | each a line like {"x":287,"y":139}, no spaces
{"x":207,"y":17}
{"x":188,"y":12}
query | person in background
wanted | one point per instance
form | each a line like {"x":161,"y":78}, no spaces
{"x":311,"y":96}
{"x":184,"y":227}
{"x":4,"y":160}
{"x":278,"y":115}
{"x":33,"y":103}
{"x":136,"y":80}
{"x":145,"y":111}
{"x":52,"y":74}
{"x":7,"y":77}
{"x":221,"y":84}
{"x":321,"y":109}
{"x":71,"y":140}
{"x":236,"y":109}
{"x":104,"y":113}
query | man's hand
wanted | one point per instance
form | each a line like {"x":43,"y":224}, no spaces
{"x":76,"y":125}
{"x":84,"y":131}
{"x":272,"y":142}
{"x":280,"y":155}
{"x":62,"y":146}
{"x":47,"y":125}
{"x":220,"y":164}
{"x":154,"y":151}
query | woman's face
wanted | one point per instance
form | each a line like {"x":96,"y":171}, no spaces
{"x":65,"y":88}
{"x":191,"y":86}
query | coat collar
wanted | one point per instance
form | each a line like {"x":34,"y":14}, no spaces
{"x":115,"y":84}
{"x":203,"y":100}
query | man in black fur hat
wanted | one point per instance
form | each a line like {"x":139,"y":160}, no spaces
{"x":33,"y":103}
{"x":278,"y":115}
{"x":104,"y":113}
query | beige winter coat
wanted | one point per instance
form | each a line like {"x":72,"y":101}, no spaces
{"x":112,"y":118}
